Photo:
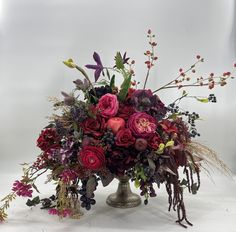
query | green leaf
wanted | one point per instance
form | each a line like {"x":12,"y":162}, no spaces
{"x":203,"y":100}
{"x":160,"y":149}
{"x":35,"y":201}
{"x":35,"y":187}
{"x":124,"y":88}
{"x":112,"y":82}
{"x":108,"y":74}
{"x":173,"y":116}
{"x":69,"y":63}
{"x":119,"y":61}
{"x":142,"y":175}
{"x":170,"y":143}
{"x":137,"y":183}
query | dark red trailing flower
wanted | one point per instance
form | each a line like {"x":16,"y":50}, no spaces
{"x":92,"y":158}
{"x":119,"y":160}
{"x":142,"y":125}
{"x":98,"y":67}
{"x":94,"y":126}
{"x":124,"y":138}
{"x":47,"y":139}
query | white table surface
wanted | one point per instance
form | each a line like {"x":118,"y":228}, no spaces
{"x":212,"y":209}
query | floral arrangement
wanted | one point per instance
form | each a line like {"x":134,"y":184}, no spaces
{"x":120,"y":131}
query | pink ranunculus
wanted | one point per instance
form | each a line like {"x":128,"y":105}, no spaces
{"x":142,"y":125}
{"x":108,"y":105}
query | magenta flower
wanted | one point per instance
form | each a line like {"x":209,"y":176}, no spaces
{"x":68,"y":175}
{"x":98,"y":67}
{"x":22,"y":189}
{"x":53,"y":211}
{"x":66,"y":213}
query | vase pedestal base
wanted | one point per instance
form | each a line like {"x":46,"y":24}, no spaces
{"x":123,"y":198}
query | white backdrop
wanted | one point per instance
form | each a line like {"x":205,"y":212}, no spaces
{"x":36,"y":36}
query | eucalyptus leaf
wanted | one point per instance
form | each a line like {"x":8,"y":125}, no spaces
{"x":91,"y":186}
{"x":35,"y":201}
{"x":107,"y":179}
{"x":151,"y":164}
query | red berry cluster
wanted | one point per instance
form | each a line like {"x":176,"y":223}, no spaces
{"x":150,"y":53}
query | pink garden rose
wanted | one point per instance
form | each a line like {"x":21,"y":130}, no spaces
{"x":108,"y":105}
{"x":142,"y":125}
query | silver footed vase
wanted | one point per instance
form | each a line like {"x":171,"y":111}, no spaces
{"x":123,"y":197}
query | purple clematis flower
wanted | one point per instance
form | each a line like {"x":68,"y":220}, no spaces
{"x":97,"y":67}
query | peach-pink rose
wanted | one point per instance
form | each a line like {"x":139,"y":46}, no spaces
{"x":108,"y":105}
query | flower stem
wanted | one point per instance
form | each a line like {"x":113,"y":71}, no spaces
{"x":86,"y":77}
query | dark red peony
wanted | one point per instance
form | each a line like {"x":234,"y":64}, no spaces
{"x":108,"y":105}
{"x":125,"y":111}
{"x":154,"y":141}
{"x":142,"y":125}
{"x":93,"y":126}
{"x":92,"y":158}
{"x":124,"y":138}
{"x":47,"y":139}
